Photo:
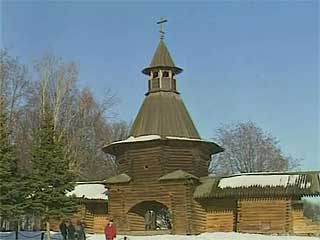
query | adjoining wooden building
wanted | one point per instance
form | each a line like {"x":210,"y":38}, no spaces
{"x":164,"y":185}
{"x":258,"y":202}
{"x":93,"y":205}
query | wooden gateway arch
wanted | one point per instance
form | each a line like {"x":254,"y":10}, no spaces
{"x":163,"y":183}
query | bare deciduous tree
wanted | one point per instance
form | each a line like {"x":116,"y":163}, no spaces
{"x":82,"y":122}
{"x":93,"y":128}
{"x":13,"y":85}
{"x":13,"y":88}
{"x":86,"y":123}
{"x":248,"y":149}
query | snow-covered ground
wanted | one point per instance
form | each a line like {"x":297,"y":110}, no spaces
{"x":204,"y":236}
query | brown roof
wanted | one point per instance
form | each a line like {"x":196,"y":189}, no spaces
{"x":260,"y":185}
{"x":204,"y":190}
{"x":164,"y":114}
{"x":162,"y":59}
{"x":121,"y":178}
{"x":178,"y":174}
{"x":162,"y":56}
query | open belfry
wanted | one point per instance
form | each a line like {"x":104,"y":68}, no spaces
{"x":164,"y":185}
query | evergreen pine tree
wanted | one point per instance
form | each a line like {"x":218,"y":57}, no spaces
{"x":51,"y":177}
{"x":14,"y":190}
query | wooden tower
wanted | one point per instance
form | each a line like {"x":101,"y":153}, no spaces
{"x":161,"y":162}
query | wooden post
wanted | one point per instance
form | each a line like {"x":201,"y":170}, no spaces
{"x":289,"y":223}
{"x":235,"y":214}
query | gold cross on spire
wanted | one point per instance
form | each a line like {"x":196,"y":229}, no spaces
{"x":161,"y":22}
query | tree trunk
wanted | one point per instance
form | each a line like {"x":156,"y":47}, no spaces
{"x":17,"y":229}
{"x":48,"y":230}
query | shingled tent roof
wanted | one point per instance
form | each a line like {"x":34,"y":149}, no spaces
{"x":260,"y":185}
{"x":162,"y":56}
{"x":164,"y":114}
{"x":162,"y":59}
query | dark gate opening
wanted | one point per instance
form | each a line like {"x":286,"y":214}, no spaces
{"x":154,"y":215}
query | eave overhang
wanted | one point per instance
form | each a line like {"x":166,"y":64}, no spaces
{"x":117,"y":147}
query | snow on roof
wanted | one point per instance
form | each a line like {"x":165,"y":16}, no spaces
{"x":263,"y":181}
{"x":89,"y":191}
{"x":139,"y":139}
{"x":260,"y":184}
{"x":156,"y":137}
{"x":184,"y":138}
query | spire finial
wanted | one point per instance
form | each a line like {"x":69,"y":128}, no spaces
{"x":161,"y":22}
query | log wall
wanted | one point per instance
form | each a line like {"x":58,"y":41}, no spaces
{"x":220,"y":221}
{"x":99,"y":223}
{"x":264,"y":216}
{"x":177,"y":158}
{"x":136,"y":222}
{"x":220,"y":215}
{"x":146,"y":162}
{"x":199,"y":217}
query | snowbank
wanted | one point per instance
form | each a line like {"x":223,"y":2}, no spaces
{"x":138,"y":139}
{"x":204,"y":236}
{"x":144,"y":138}
{"x":210,"y":236}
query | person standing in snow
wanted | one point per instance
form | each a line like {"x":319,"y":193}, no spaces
{"x":147,"y":220}
{"x":63,"y":229}
{"x":80,"y":233}
{"x":110,"y":231}
{"x":71,"y":231}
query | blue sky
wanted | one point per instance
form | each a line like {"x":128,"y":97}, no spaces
{"x":243,"y":60}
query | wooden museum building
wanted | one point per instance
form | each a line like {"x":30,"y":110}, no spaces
{"x":164,"y":185}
